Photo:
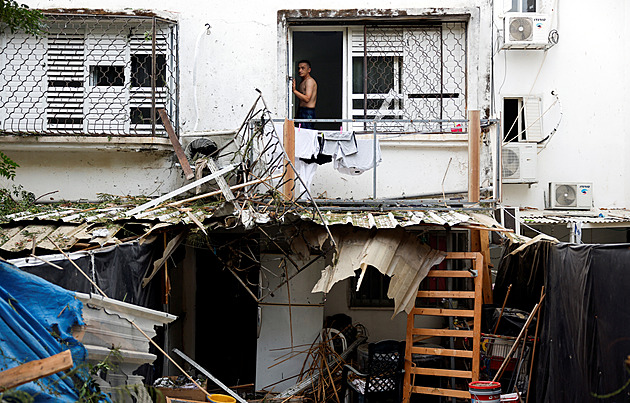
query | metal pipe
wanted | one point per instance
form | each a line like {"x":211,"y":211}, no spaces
{"x":153,"y":74}
{"x":374,"y":165}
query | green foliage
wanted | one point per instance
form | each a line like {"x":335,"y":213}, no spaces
{"x":7,"y":165}
{"x":15,"y":200}
{"x":89,"y":390}
{"x":21,"y":18}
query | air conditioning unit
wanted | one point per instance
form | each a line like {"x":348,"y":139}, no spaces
{"x":518,"y":163}
{"x":526,"y":31}
{"x":570,"y":196}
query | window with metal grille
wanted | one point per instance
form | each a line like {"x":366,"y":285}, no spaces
{"x":91,"y":74}
{"x":408,"y":72}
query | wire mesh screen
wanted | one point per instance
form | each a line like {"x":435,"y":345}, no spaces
{"x":95,"y":75}
{"x":409,"y":73}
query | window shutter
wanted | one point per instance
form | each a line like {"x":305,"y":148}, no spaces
{"x":533,"y":119}
{"x":65,"y":71}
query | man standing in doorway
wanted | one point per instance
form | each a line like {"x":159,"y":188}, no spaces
{"x":306,"y":93}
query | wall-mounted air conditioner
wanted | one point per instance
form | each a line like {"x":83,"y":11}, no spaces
{"x":526,"y":31}
{"x":570,"y":196}
{"x":518,"y":163}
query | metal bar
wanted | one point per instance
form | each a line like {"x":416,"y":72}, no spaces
{"x":374,"y":162}
{"x":365,"y":80}
{"x":153,"y":73}
{"x":209,"y":375}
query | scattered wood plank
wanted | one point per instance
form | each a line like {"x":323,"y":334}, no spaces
{"x":223,"y":185}
{"x":33,"y":370}
{"x":181,"y":190}
{"x":179,"y":151}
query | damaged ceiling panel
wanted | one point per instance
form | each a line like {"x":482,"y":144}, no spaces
{"x":394,"y":252}
{"x":611,"y":216}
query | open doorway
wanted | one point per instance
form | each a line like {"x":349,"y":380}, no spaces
{"x":324,"y":49}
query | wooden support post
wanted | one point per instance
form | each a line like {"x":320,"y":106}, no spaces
{"x":33,"y":370}
{"x":289,"y":147}
{"x":179,"y":151}
{"x":478,"y":240}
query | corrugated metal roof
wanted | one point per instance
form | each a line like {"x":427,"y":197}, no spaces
{"x":603,"y":217}
{"x":67,"y":226}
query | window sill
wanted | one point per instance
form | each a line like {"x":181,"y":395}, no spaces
{"x":83,"y":143}
{"x":421,"y":140}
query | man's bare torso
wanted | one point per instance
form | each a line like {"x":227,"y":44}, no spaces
{"x":309,"y":81}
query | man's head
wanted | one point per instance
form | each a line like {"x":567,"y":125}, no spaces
{"x":304,"y":68}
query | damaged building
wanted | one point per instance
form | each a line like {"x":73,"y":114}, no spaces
{"x":208,"y":230}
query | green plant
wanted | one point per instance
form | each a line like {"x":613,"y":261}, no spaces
{"x":15,"y":199}
{"x":7,"y":166}
{"x":21,"y":18}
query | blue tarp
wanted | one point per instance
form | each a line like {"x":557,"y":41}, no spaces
{"x":36,"y":318}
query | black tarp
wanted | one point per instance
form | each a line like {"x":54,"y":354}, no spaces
{"x":585,"y":323}
{"x":117,"y":270}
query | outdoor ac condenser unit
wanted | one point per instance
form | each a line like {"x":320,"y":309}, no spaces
{"x":526,"y":31}
{"x":518,"y":163}
{"x":570,"y":196}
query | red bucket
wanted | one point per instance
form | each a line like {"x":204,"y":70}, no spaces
{"x":485,"y":391}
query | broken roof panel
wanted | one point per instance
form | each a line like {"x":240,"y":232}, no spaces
{"x":612,"y":216}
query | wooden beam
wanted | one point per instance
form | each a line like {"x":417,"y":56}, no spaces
{"x":179,"y":151}
{"x":289,"y":148}
{"x":33,"y":370}
{"x":474,"y":145}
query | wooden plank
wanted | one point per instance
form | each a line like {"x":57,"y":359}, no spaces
{"x":446,"y":294}
{"x":223,"y":185}
{"x":474,"y":146}
{"x":451,"y":373}
{"x":443,"y":332}
{"x":485,"y":267}
{"x":450,"y":273}
{"x":462,"y":394}
{"x":461,"y":255}
{"x":179,"y":151}
{"x":289,"y":148}
{"x":445,"y":352}
{"x":33,"y":370}
{"x":479,"y":280}
{"x":468,"y":313}
{"x":179,"y":191}
{"x":408,"y":359}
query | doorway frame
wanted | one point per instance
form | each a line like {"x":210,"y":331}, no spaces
{"x":344,"y":64}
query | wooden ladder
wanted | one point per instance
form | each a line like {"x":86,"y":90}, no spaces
{"x":475,"y":333}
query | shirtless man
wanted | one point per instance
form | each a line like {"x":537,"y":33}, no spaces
{"x":306,"y":93}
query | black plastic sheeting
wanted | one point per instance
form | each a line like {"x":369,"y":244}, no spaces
{"x":585,"y":326}
{"x":118,"y":271}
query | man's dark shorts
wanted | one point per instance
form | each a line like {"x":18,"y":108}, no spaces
{"x":306,"y":113}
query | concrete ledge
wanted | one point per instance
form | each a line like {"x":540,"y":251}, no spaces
{"x":83,"y":143}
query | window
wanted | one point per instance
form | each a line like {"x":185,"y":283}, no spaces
{"x":523,"y":6}
{"x":522,"y":120}
{"x":373,"y":290}
{"x":90,"y":74}
{"x":408,"y":72}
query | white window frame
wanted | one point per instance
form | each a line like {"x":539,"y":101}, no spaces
{"x":530,"y":128}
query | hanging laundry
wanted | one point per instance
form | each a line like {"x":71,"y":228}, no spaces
{"x":361,"y":161}
{"x":336,"y":141}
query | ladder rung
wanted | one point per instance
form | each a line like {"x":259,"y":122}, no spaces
{"x":462,"y":394}
{"x":446,"y":294}
{"x":443,"y":332}
{"x":442,"y":352}
{"x":449,"y":273}
{"x":441,"y":372}
{"x":469,"y":313}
